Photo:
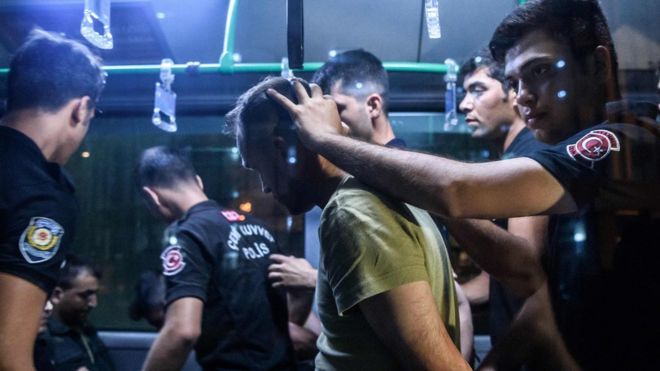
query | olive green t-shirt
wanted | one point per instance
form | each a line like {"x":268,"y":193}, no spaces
{"x":371,"y":243}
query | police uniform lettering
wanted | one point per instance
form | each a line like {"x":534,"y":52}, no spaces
{"x":602,"y":260}
{"x":38,"y":211}
{"x":221,"y":257}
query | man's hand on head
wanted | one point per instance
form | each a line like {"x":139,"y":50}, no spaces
{"x":315,"y":116}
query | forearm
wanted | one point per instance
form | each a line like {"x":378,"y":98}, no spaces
{"x":409,"y":176}
{"x":533,"y":339}
{"x":304,"y":341}
{"x":498,"y":189}
{"x":467,"y":328}
{"x":300,"y":305}
{"x":509,"y":258}
{"x":21,"y":305}
{"x":168,"y":353}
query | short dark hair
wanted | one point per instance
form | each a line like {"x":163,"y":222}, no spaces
{"x":579,"y":23}
{"x":484,"y":59}
{"x":48,"y":70}
{"x":165,"y":167}
{"x":254,"y":106}
{"x":353,"y":67}
{"x":73,"y":267}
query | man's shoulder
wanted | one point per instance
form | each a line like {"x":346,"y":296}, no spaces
{"x":352,"y":192}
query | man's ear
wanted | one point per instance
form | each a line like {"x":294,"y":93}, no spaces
{"x":82,"y":111}
{"x":603,"y":63}
{"x":152,"y":195}
{"x":374,"y":104}
{"x":56,"y":296}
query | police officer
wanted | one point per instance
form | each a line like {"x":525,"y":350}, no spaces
{"x":215,"y":263}
{"x":53,"y":86}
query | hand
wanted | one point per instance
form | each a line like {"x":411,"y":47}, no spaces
{"x":291,"y":272}
{"x":316,"y":117}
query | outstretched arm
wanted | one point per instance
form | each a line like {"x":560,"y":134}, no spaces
{"x":406,"y":320}
{"x":515,"y":187}
{"x":177,"y":337}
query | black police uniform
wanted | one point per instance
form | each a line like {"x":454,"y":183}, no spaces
{"x":221,"y":257}
{"x":37,"y":211}
{"x":602,"y":261}
{"x":502,"y":303}
{"x":70,"y":350}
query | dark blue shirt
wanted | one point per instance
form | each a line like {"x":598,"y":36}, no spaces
{"x":221,"y":257}
{"x":602,"y":260}
{"x":38,"y":211}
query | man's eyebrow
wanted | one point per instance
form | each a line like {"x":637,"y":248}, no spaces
{"x":475,"y":84}
{"x":528,"y":64}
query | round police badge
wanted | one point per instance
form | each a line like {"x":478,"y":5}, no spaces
{"x":40,"y":240}
{"x":172,"y":259}
{"x":594,"y":146}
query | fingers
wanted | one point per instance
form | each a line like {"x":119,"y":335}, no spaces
{"x":281,"y":99}
{"x":316,"y":90}
{"x":279,"y":258}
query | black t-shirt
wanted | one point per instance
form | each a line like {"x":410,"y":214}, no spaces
{"x":602,"y":260}
{"x":38,"y":211}
{"x":503,"y":304}
{"x":221,"y":257}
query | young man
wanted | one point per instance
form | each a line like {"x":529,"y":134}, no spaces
{"x":378,"y":255}
{"x":359,"y":85}
{"x":561,"y":62}
{"x":53,"y":86}
{"x":72,"y":341}
{"x":490,"y":112}
{"x":215,"y":263}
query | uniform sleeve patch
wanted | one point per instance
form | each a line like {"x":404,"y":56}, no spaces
{"x":172,"y":259}
{"x":40,"y":240}
{"x":594,"y":146}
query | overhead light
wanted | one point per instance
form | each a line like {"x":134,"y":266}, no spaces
{"x":85,"y":154}
{"x":160,"y":15}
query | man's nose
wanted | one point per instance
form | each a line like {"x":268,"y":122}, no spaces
{"x":466,"y":104}
{"x":524,"y":95}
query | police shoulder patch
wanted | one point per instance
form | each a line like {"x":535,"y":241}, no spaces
{"x":594,"y":146}
{"x":172,"y":260}
{"x":40,"y":240}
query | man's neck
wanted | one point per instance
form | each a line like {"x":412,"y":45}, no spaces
{"x":383,"y":132}
{"x":516,"y":127}
{"x":182,"y":200}
{"x":328,"y":182}
{"x":42,"y":129}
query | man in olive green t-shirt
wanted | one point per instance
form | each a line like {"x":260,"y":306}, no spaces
{"x":385,"y":291}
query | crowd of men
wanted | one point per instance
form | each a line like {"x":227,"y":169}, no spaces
{"x":568,"y":260}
